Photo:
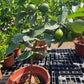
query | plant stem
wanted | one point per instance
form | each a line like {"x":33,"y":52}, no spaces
{"x":32,"y":63}
{"x":31,"y":70}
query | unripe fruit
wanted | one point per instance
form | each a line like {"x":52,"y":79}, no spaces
{"x":58,"y":34}
{"x":31,"y":9}
{"x":44,"y":8}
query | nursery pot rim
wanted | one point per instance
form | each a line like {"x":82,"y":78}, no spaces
{"x":36,"y":66}
{"x":42,"y":46}
{"x":10,"y":55}
{"x":78,"y":40}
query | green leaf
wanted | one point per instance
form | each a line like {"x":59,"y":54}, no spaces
{"x":81,"y":4}
{"x":42,"y":53}
{"x":25,"y":55}
{"x":76,"y":14}
{"x":64,"y":14}
{"x":26,"y":30}
{"x":80,"y":9}
{"x":54,"y":18}
{"x":39,"y":30}
{"x":11,"y":48}
{"x":59,"y":17}
{"x":27,"y":38}
{"x":20,"y":16}
{"x":30,"y":43}
{"x":48,"y":39}
{"x":22,"y":47}
{"x":32,"y":19}
{"x":75,"y":8}
{"x":36,"y":1}
{"x":21,"y":2}
{"x":51,"y":25}
{"x":61,"y":41}
{"x":18,"y":38}
{"x":77,"y":26}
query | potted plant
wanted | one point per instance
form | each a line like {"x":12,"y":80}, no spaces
{"x":30,"y":74}
{"x":78,"y":28}
{"x":9,"y":55}
{"x":73,"y":28}
{"x":32,"y":70}
{"x":32,"y":36}
{"x":35,"y":32}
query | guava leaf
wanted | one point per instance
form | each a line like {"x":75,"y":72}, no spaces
{"x":80,"y":9}
{"x":59,"y":17}
{"x":26,"y":30}
{"x":51,"y":25}
{"x":42,"y":53}
{"x":27,"y":38}
{"x":32,"y":19}
{"x":38,"y":31}
{"x":48,"y":39}
{"x":25,"y":55}
{"x":18,"y":38}
{"x":22,"y":47}
{"x":20,"y":2}
{"x":76,"y":14}
{"x":64,"y":14}
{"x":11,"y":48}
{"x":30,"y":43}
{"x":61,"y":41}
{"x":77,"y":26}
{"x":54,"y":18}
{"x":75,"y":8}
{"x":20,"y":16}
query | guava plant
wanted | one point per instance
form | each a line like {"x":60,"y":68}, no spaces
{"x":72,"y":25}
{"x":36,"y":31}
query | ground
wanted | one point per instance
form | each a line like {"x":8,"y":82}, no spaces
{"x":64,"y":45}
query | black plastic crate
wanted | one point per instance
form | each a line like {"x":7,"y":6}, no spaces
{"x":63,"y":65}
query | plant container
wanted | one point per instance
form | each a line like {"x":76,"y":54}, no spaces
{"x":21,"y":75}
{"x":9,"y":60}
{"x":79,"y":47}
{"x":41,"y":46}
{"x":0,"y":74}
{"x":17,"y":52}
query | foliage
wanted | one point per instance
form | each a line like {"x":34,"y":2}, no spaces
{"x":78,"y":13}
{"x":18,"y":25}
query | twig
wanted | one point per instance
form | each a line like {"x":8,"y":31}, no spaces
{"x":32,"y":63}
